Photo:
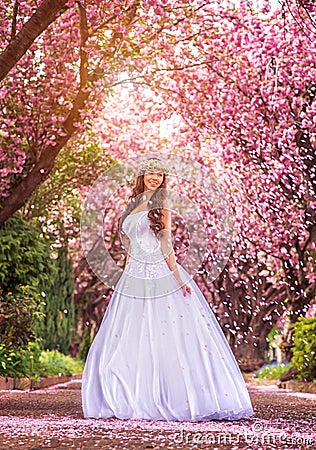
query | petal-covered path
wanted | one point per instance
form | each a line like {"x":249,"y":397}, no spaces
{"x":52,"y":418}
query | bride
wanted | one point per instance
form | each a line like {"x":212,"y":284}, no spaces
{"x":160,"y":353}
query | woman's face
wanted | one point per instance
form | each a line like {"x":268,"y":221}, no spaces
{"x":152,"y":179}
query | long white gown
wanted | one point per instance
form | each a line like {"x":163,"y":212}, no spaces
{"x":161,"y":357}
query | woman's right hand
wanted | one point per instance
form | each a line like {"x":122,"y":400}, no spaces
{"x":185,"y":288}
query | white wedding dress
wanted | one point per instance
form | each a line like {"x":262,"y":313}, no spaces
{"x":158,"y":354}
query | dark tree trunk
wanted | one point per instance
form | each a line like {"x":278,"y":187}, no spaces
{"x":41,"y":169}
{"x":250,"y":354}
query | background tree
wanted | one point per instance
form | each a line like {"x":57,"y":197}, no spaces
{"x":57,"y":326}
{"x":252,"y":98}
{"x":25,"y":257}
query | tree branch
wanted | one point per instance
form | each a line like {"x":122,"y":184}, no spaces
{"x":83,"y":54}
{"x":15,"y":13}
{"x":43,"y":17}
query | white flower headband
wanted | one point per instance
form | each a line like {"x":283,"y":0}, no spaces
{"x":151,"y":164}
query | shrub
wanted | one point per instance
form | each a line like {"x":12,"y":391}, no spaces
{"x":53,"y":362}
{"x":20,"y":363}
{"x":29,"y":257}
{"x":25,"y":256}
{"x":304,"y":349}
{"x":18,"y":314}
{"x":272,"y":371}
{"x":33,"y":362}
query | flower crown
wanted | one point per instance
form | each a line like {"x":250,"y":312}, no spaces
{"x":152,"y":163}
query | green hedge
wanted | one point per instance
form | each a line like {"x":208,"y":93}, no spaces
{"x":18,"y":315}
{"x":304,"y":349}
{"x":29,"y":257}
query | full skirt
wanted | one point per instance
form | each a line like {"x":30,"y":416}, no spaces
{"x":163,"y":358}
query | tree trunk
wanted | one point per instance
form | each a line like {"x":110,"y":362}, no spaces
{"x":44,"y":15}
{"x":250,"y":353}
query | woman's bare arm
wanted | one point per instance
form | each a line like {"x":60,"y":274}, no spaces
{"x":128,"y":255}
{"x":167,"y":249}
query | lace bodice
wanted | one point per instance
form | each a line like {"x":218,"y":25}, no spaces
{"x":144,"y":244}
{"x":146,"y":275}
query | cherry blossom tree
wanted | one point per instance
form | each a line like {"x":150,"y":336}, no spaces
{"x":50,"y":80}
{"x":253,"y":95}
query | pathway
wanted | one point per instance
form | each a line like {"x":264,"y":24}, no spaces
{"x":52,"y":419}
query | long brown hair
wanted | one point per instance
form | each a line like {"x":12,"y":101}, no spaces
{"x":156,"y":203}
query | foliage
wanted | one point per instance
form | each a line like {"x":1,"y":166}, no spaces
{"x":57,"y":202}
{"x":304,"y":349}
{"x":86,"y":343}
{"x":52,"y":362}
{"x":25,"y":256}
{"x":19,"y":362}
{"x":18,"y":314}
{"x":57,"y":325}
{"x":34,"y":362}
{"x":273,"y":333}
{"x":12,"y":362}
{"x":272,"y":371}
